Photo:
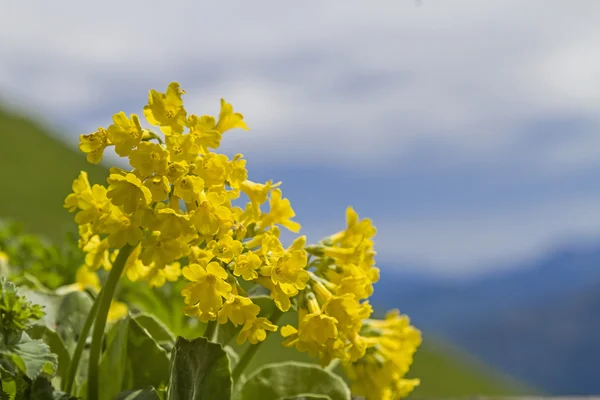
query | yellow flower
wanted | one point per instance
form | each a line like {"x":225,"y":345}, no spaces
{"x":228,"y":119}
{"x":125,"y":133}
{"x":93,"y":145}
{"x":149,"y":158}
{"x":237,"y":173}
{"x":257,"y":193}
{"x":288,"y":272}
{"x":380,"y":373}
{"x":81,"y":191}
{"x":166,"y":110}
{"x":348,"y":312}
{"x":255,"y":331}
{"x":212,"y":168}
{"x":204,"y":133}
{"x":85,"y":277}
{"x":182,"y":148}
{"x":97,"y":254}
{"x":117,"y":311}
{"x":135,"y":269}
{"x":123,"y":229}
{"x":157,"y":277}
{"x":172,"y":224}
{"x":176,"y":170}
{"x":159,"y":188}
{"x":161,"y":250}
{"x":189,"y":188}
{"x":280,"y":212}
{"x":239,"y":310}
{"x":247,"y":265}
{"x":211,"y":214}
{"x":128,"y":191}
{"x":225,"y":249}
{"x":206,"y":290}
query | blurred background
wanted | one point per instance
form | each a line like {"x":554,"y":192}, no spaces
{"x":468,"y":131}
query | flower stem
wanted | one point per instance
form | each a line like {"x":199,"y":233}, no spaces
{"x":252,"y":349}
{"x":72,"y":371}
{"x":211,"y":330}
{"x":105,"y":296}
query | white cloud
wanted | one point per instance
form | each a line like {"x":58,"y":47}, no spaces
{"x":357,"y":84}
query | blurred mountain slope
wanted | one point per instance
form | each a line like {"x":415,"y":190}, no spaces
{"x":36,"y":173}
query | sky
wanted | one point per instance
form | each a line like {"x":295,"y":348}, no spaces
{"x":468,"y":131}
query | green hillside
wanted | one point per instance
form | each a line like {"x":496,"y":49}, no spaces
{"x":36,"y":171}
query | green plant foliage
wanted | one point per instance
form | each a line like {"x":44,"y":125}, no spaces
{"x":132,"y":360}
{"x":292,"y":380}
{"x":56,"y":345}
{"x":140,"y":394}
{"x":32,"y":258}
{"x":199,"y":371}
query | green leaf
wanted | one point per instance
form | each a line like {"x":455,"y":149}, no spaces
{"x":292,"y":379}
{"x":199,"y":371}
{"x":132,"y":359}
{"x":42,"y":389}
{"x":155,"y":328}
{"x":56,"y":345}
{"x":33,"y":357}
{"x":148,"y":393}
{"x":70,"y":317}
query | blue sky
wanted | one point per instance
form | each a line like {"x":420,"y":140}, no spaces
{"x":469,"y":131}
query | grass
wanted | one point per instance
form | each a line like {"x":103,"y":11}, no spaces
{"x":36,"y":173}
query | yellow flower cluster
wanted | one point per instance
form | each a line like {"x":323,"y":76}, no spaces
{"x":174,"y":210}
{"x":176,"y":204}
{"x":379,"y":375}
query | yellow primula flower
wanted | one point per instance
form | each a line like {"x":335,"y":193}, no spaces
{"x":212,"y":214}
{"x":173,"y":224}
{"x":202,"y":129}
{"x":162,"y":250}
{"x":157,"y":277}
{"x":228,"y":119}
{"x":225,"y":249}
{"x":288,"y":272}
{"x":86,"y":278}
{"x":239,"y":310}
{"x":125,"y":133}
{"x":212,"y":168}
{"x":149,"y":158}
{"x":176,"y":171}
{"x":257,"y":193}
{"x":280,"y":212}
{"x":255,"y":331}
{"x":237,"y":172}
{"x":81,"y":193}
{"x":247,"y":266}
{"x":93,"y":145}
{"x":189,"y":188}
{"x":166,"y":109}
{"x":128,"y":191}
{"x":97,"y":254}
{"x":204,"y":294}
{"x":117,"y":311}
{"x":159,"y":188}
{"x":182,"y":148}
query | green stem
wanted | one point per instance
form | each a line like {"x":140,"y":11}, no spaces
{"x":106,"y":296}
{"x":211,"y":330}
{"x":72,"y":371}
{"x":252,"y":349}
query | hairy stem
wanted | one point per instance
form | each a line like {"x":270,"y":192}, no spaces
{"x":253,"y":349}
{"x":105,"y":296}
